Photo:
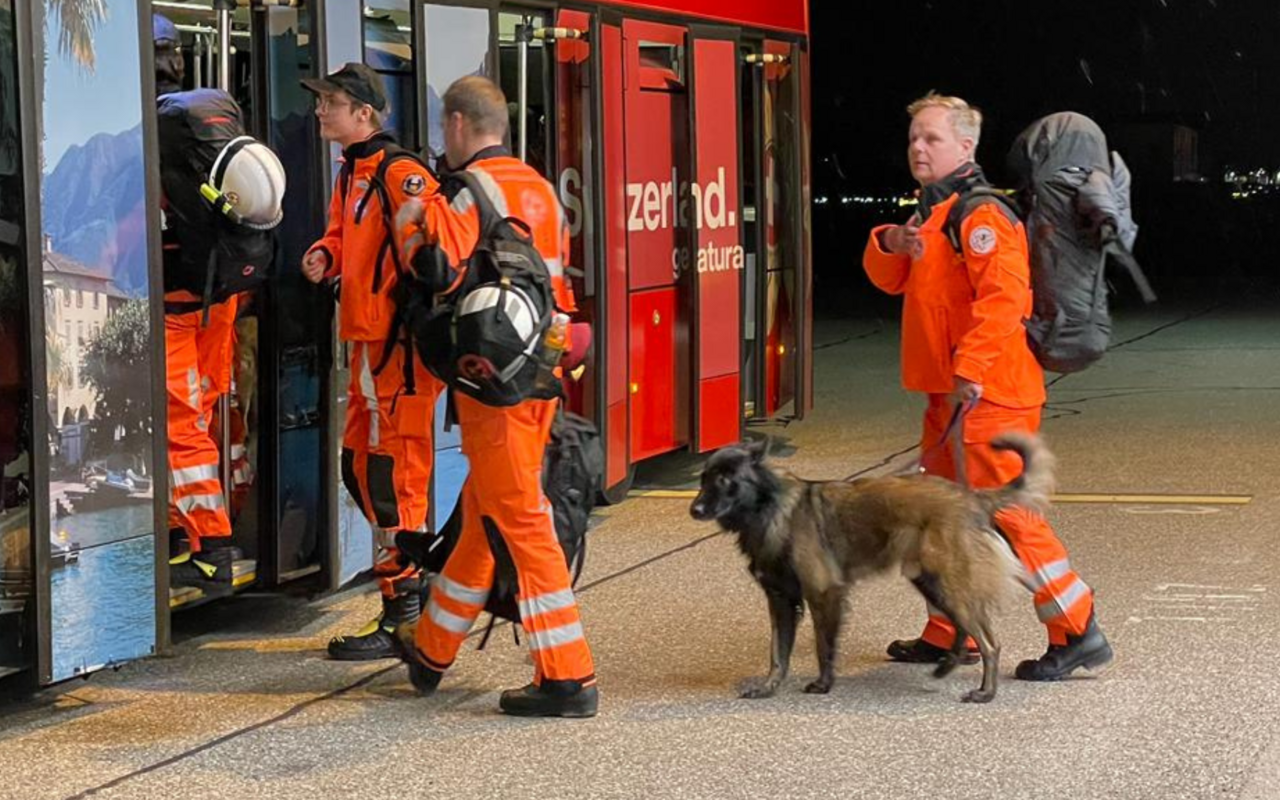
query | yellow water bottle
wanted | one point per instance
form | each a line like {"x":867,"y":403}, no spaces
{"x":555,"y":340}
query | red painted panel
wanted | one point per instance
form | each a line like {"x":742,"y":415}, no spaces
{"x":654,"y":385}
{"x":786,"y":15}
{"x":616,"y":445}
{"x":615,"y":231}
{"x":721,"y":429}
{"x":718,"y":260}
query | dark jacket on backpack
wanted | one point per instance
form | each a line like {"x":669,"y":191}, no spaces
{"x":1074,"y":194}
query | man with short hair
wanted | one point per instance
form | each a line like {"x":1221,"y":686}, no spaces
{"x":504,"y":445}
{"x":965,"y":346}
{"x":387,"y":444}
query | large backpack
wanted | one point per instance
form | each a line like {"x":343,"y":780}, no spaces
{"x":219,"y":252}
{"x":572,"y":472}
{"x":485,"y":337}
{"x":1075,"y":200}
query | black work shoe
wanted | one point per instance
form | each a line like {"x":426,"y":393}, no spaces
{"x":212,"y":569}
{"x":372,"y":642}
{"x":378,"y":638}
{"x":918,"y":651}
{"x":551,"y":699}
{"x":1089,"y":650}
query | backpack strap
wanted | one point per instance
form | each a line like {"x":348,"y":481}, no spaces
{"x":489,"y":215}
{"x":379,"y":186}
{"x":970,"y":200}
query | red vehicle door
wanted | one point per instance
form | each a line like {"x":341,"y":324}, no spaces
{"x":657,"y":215}
{"x":716,"y":257}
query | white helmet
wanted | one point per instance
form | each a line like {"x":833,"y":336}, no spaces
{"x":497,"y":327}
{"x":250,"y":179}
{"x":518,"y":308}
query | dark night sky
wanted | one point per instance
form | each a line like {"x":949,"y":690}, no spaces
{"x":1210,"y":64}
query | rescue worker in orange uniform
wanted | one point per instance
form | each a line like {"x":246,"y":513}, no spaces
{"x":504,"y":445}
{"x":387,"y":444}
{"x":964,"y":344}
{"x":199,"y":352}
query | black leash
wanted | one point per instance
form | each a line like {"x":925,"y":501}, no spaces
{"x":952,"y":436}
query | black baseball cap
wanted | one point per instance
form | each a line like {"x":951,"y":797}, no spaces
{"x":356,"y":79}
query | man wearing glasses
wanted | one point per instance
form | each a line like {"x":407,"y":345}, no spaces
{"x":386,"y":446}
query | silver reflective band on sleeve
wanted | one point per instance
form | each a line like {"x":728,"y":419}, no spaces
{"x":473,"y":597}
{"x":409,"y":212}
{"x":545,"y":603}
{"x":1059,"y":605}
{"x":555,"y":637}
{"x":449,"y":621}
{"x":414,"y":241}
{"x":189,"y":475}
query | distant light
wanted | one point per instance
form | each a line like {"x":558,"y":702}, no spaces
{"x":903,"y":202}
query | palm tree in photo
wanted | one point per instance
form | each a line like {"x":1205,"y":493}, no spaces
{"x":77,"y":22}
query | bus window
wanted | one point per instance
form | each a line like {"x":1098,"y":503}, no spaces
{"x":522,"y":74}
{"x":457,"y":44}
{"x":388,"y":49}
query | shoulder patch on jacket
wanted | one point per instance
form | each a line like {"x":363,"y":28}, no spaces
{"x":414,"y":184}
{"x":982,"y":240}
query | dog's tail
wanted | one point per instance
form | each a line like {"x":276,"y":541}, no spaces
{"x":1034,"y":486}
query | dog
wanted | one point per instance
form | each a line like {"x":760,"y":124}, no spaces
{"x":808,"y":542}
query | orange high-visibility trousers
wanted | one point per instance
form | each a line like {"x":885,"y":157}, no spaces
{"x":1063,"y":601}
{"x":197,"y":372}
{"x":505,"y":447}
{"x":387,"y":449}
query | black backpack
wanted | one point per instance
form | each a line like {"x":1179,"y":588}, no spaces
{"x":1073,"y":196}
{"x":484,"y":339}
{"x":216,"y":255}
{"x":572,"y":473}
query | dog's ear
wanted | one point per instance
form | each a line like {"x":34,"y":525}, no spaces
{"x":759,"y":448}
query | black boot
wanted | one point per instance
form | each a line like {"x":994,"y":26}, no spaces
{"x":1089,"y":650}
{"x":378,"y":639}
{"x":425,"y":679}
{"x":918,"y":651}
{"x":551,"y":699}
{"x":211,"y":570}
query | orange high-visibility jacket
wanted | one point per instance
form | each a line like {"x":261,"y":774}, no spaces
{"x":963,"y":314}
{"x":450,"y":221}
{"x":358,"y":241}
